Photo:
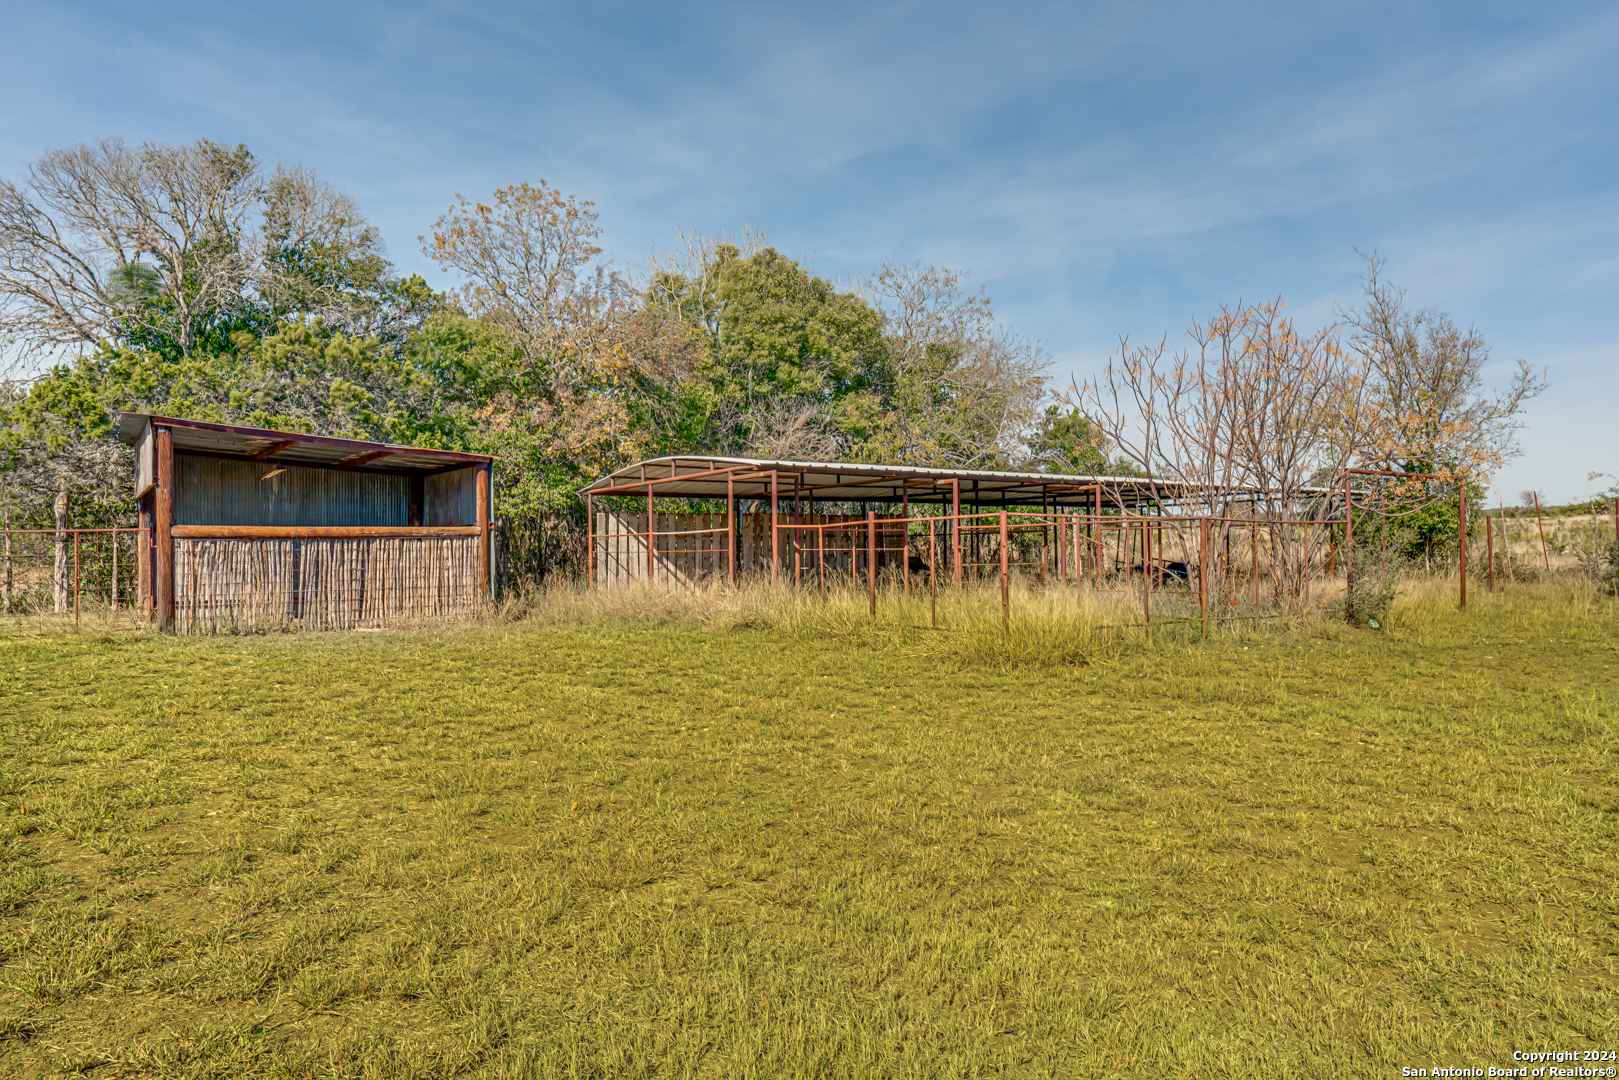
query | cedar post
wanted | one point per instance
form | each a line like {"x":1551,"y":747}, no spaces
{"x":775,"y":555}
{"x":590,"y":538}
{"x":1545,"y":557}
{"x":1489,"y":548}
{"x":163,"y":586}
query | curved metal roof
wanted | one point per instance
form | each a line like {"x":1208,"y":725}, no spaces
{"x":842,"y":481}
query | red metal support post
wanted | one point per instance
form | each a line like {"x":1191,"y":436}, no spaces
{"x":955,"y":527}
{"x":651,"y":541}
{"x":871,"y":558}
{"x":905,"y":542}
{"x":163,"y":586}
{"x":730,"y":527}
{"x":775,"y":496}
{"x":1006,"y":597}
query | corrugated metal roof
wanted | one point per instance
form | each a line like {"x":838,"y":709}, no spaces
{"x":218,"y":491}
{"x":705,"y":477}
{"x":293,"y":448}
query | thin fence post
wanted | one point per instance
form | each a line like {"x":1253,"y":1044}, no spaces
{"x":76,"y":538}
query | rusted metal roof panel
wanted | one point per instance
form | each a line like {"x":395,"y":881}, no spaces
{"x":289,"y":447}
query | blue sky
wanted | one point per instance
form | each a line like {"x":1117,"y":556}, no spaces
{"x":1101,"y":168}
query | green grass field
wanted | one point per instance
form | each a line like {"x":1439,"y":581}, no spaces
{"x":791,"y":845}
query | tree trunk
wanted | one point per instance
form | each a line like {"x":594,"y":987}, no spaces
{"x":63,"y":561}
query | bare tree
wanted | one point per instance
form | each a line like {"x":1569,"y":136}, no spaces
{"x":965,"y":392}
{"x":533,"y":272}
{"x":1254,"y":419}
{"x":110,"y":227}
{"x":105,"y":242}
{"x":1429,"y":408}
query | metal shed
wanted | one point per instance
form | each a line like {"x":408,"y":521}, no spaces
{"x":792,"y":500}
{"x":248,"y":528}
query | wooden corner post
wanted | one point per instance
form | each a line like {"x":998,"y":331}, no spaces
{"x":163,"y":586}
{"x":482,"y":495}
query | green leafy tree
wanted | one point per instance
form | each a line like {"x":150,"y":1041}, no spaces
{"x":1066,"y":441}
{"x":791,"y":365}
